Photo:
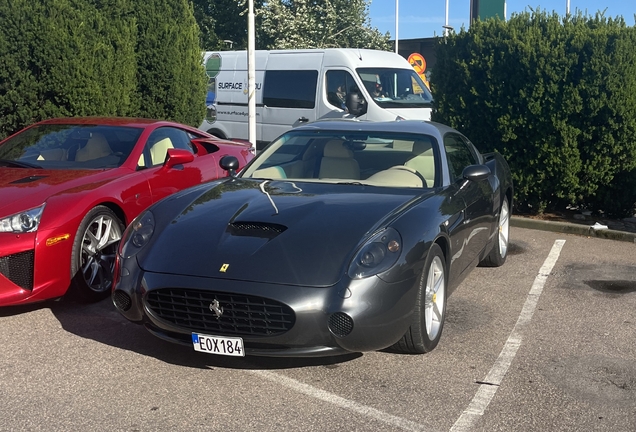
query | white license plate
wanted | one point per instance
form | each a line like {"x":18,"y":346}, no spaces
{"x":229,"y":346}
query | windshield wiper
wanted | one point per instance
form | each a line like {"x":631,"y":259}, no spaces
{"x":19,"y":164}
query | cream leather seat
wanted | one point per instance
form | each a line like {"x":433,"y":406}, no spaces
{"x":159,"y":151}
{"x":424,"y":161}
{"x":273,"y":172}
{"x":96,"y":147}
{"x":338,"y":162}
{"x":396,"y":176}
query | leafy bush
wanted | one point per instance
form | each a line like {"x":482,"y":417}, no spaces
{"x":171,"y":76}
{"x":61,"y":58}
{"x":556,"y":96}
{"x":64,"y":58}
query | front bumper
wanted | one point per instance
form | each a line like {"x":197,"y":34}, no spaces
{"x":31,"y":271}
{"x":351,"y":316}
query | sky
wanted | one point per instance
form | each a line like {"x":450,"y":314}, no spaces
{"x":425,"y":18}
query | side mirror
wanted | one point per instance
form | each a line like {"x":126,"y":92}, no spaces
{"x":229,"y":164}
{"x":356,"y":104}
{"x":177,"y":157}
{"x":476,"y":172}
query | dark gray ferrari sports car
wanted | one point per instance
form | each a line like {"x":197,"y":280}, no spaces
{"x":340,"y":236}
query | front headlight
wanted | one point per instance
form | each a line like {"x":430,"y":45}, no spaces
{"x":23,"y":222}
{"x":378,"y":254}
{"x":137,"y":235}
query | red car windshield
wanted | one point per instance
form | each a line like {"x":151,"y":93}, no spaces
{"x":70,"y":146}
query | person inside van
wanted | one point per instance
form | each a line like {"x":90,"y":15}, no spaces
{"x":377,"y":91}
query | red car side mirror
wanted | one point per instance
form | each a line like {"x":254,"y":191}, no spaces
{"x":178,"y":157}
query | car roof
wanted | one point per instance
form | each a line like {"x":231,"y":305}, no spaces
{"x":110,"y":121}
{"x":402,"y":126}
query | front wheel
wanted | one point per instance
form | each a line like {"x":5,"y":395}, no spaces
{"x":94,"y":251}
{"x":430,"y":307}
{"x":499,"y":252}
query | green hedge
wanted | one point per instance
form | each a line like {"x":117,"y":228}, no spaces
{"x":62,"y":58}
{"x":556,"y":96}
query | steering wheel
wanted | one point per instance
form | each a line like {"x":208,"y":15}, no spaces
{"x":412,"y":171}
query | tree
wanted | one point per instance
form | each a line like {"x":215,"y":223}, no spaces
{"x":556,"y":96}
{"x":289,"y":24}
{"x":170,"y":64}
{"x":65,"y":58}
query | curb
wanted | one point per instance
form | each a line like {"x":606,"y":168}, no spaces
{"x":572,"y":228}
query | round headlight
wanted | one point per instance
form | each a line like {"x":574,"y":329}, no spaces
{"x":378,"y":254}
{"x":137,"y":235}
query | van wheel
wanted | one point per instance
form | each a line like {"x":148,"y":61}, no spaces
{"x":217,"y":133}
{"x":94,"y":251}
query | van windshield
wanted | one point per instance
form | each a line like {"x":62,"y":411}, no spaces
{"x":396,"y":88}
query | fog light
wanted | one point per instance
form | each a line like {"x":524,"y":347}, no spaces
{"x":122,"y":300}
{"x":340,"y":324}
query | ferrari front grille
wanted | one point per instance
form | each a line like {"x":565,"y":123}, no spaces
{"x":219,"y":313}
{"x":18,"y":268}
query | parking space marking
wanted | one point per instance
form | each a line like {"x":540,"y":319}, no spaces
{"x":493,"y":380}
{"x":341,"y":402}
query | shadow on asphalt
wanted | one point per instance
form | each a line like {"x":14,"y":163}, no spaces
{"x":102,"y":323}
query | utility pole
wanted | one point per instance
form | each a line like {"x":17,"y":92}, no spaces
{"x":396,"y":26}
{"x":251,"y":78}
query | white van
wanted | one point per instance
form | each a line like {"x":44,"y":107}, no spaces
{"x":297,"y":86}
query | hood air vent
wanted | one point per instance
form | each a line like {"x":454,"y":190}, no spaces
{"x":29,"y":179}
{"x":255,"y":229}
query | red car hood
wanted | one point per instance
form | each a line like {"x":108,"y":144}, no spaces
{"x":22,"y":189}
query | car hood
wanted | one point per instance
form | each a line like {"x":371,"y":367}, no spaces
{"x":22,"y":189}
{"x":274,"y":231}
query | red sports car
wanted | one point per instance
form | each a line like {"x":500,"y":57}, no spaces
{"x":68,"y":187}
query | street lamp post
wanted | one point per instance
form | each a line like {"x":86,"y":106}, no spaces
{"x":396,"y":26}
{"x":446,"y":26}
{"x":251,"y":77}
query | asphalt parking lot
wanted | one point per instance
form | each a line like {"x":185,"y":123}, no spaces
{"x":544,"y":343}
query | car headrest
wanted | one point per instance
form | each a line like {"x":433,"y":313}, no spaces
{"x":336,"y":149}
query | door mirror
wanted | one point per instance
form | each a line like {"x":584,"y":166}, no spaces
{"x":178,"y":157}
{"x":356,"y":104}
{"x":229,"y":164}
{"x":476,"y":172}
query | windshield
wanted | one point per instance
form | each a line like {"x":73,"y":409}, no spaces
{"x":387,"y":159}
{"x":396,"y":88}
{"x":69,"y":146}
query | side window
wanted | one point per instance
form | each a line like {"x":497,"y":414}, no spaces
{"x":458,"y":154}
{"x":159,"y":142}
{"x":338,"y":84}
{"x":290,"y":89}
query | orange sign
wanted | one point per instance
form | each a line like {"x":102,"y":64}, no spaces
{"x":418,"y":63}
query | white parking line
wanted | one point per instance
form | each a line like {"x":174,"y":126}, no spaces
{"x":341,"y":402}
{"x":491,"y":383}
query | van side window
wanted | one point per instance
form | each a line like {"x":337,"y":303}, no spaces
{"x":290,"y":89}
{"x":337,"y":84}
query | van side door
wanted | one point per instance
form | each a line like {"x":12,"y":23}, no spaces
{"x":290,"y":89}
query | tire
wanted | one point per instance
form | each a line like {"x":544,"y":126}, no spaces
{"x":430,"y":307}
{"x":499,"y":252}
{"x":94,"y":251}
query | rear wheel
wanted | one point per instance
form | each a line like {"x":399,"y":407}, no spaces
{"x":499,"y":252}
{"x":430,"y":307}
{"x":94,"y":251}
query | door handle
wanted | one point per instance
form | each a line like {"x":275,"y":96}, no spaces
{"x":303,"y":119}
